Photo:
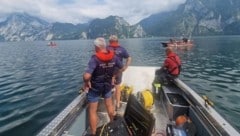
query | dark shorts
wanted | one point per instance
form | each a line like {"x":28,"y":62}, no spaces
{"x":99,"y":90}
{"x":119,"y":79}
{"x":162,"y":76}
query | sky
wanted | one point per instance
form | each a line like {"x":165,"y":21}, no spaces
{"x":82,"y":11}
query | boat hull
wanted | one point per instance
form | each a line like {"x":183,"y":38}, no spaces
{"x":177,"y":44}
{"x":165,"y":110}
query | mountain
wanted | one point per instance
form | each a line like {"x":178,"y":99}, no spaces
{"x":196,"y":17}
{"x":23,"y":27}
{"x":67,"y":31}
{"x":114,"y":25}
{"x":19,"y":27}
{"x":109,"y":25}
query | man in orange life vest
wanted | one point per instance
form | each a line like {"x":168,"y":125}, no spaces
{"x":122,"y":54}
{"x":171,"y":67}
{"x":98,"y":80}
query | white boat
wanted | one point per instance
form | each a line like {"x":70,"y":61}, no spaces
{"x":170,"y":101}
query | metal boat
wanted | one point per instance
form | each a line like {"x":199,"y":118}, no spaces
{"x":184,"y":43}
{"x":177,"y":44}
{"x":170,"y":102}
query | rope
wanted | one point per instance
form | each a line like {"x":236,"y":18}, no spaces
{"x":160,"y":133}
{"x":102,"y":129}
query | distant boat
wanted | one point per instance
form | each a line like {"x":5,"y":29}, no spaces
{"x":52,"y":44}
{"x":178,"y":43}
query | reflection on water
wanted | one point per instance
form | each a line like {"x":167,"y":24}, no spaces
{"x":38,"y":81}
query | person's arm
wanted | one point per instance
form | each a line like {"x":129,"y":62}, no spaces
{"x":128,"y":62}
{"x":88,"y":74}
{"x":128,"y":59}
{"x":86,"y":80}
{"x":166,"y":64}
{"x":120,"y":69}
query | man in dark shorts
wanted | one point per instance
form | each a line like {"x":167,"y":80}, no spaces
{"x":98,"y":80}
{"x":122,"y":54}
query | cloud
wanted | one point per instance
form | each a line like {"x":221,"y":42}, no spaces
{"x":81,"y":11}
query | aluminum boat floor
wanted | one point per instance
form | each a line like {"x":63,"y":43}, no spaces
{"x":161,"y":119}
{"x":206,"y":119}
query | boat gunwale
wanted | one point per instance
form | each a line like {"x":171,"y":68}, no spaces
{"x":58,"y":124}
{"x":214,"y":118}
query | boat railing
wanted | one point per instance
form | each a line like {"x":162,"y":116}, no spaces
{"x":218,"y":123}
{"x":63,"y":120}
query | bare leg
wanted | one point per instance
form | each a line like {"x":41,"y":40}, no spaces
{"x":93,"y":118}
{"x":117,"y":95}
{"x":109,"y":106}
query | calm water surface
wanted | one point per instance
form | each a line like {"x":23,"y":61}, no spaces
{"x":38,"y":81}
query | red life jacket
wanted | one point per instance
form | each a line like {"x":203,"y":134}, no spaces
{"x":105,"y":56}
{"x":114,"y":44}
{"x":173,"y":64}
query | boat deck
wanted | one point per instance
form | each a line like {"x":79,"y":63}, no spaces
{"x":158,"y":110}
{"x":169,"y":102}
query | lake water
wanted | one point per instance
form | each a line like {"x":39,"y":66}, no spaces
{"x":38,"y":81}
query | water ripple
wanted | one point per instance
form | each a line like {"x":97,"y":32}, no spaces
{"x":37,"y":82}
